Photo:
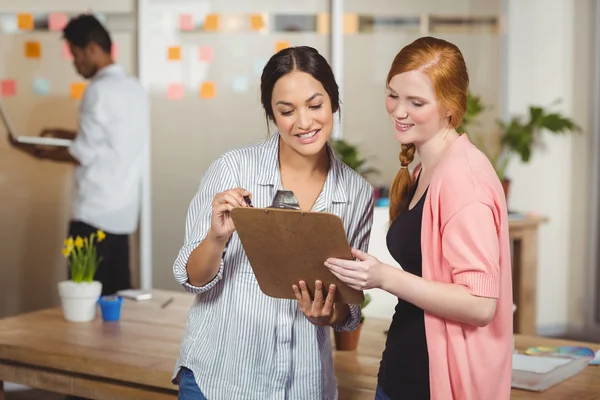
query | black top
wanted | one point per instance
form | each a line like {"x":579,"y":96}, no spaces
{"x":404,"y":368}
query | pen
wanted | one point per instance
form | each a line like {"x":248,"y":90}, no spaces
{"x":166,"y":303}
{"x":248,"y":201}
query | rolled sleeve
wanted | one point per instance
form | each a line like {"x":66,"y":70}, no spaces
{"x":90,"y":134}
{"x":358,"y":238}
{"x":217,"y":179}
{"x":471,"y":247}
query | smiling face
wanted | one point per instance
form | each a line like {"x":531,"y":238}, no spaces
{"x":302,"y":112}
{"x":412,"y":104}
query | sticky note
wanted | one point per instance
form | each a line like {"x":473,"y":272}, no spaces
{"x":114,"y":51}
{"x":350,"y":24}
{"x":66,"y":52}
{"x":280,"y":45}
{"x":8,"y":87}
{"x":186,"y":22}
{"x":259,"y":65}
{"x":8,"y":23}
{"x":33,"y":49}
{"x":25,"y":22}
{"x":77,"y":90}
{"x":207,"y":90}
{"x":239,"y":84}
{"x":175,"y":91}
{"x":174,"y":53}
{"x":41,"y":86}
{"x":211,"y":22}
{"x":256,"y":22}
{"x":206,"y":53}
{"x":57,"y":21}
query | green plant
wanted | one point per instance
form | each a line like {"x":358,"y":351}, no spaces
{"x":82,"y":256}
{"x":349,"y":154}
{"x":518,"y":136}
{"x":363,"y":304}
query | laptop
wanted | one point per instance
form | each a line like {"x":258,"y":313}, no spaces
{"x":44,"y":141}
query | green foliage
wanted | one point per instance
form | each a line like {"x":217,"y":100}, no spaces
{"x":365,"y":303}
{"x":349,"y":154}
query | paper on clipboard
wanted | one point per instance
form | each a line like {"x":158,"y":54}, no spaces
{"x":285,"y":246}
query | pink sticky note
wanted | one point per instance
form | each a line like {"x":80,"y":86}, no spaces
{"x":66,"y":52}
{"x":175,"y":91}
{"x":186,"y":22}
{"x":57,"y":21}
{"x":206,"y":53}
{"x":8,"y":87}
{"x":115,"y":50}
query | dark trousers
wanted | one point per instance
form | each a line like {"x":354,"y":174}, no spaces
{"x":113,"y":271}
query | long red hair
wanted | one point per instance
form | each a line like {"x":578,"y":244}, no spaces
{"x":444,"y":64}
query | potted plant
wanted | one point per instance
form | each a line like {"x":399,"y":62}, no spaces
{"x":349,"y":154}
{"x":517,"y":137}
{"x":349,"y":340}
{"x":80,"y":293}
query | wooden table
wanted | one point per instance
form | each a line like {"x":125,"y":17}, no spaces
{"x":134,"y":359}
{"x":524,"y":236}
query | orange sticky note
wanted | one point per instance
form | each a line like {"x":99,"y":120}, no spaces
{"x":281,"y":45}
{"x":175,"y":91}
{"x":207,"y":90}
{"x":25,"y":22}
{"x":33,"y":49}
{"x":174,"y":53}
{"x":8,"y":87}
{"x":66,"y":51}
{"x":186,"y":22}
{"x":57,"y":21}
{"x":206,"y":53}
{"x":211,"y":22}
{"x":77,"y":90}
{"x":256,"y":22}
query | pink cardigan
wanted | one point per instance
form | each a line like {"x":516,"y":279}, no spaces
{"x":465,"y":241}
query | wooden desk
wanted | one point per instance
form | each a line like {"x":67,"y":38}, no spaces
{"x":134,"y":359}
{"x":524,"y":236}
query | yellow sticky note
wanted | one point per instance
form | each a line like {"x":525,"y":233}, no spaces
{"x":77,"y":90}
{"x":174,"y":53}
{"x":211,"y":22}
{"x":350,"y":24}
{"x":25,"y":22}
{"x":256,"y":22}
{"x":33,"y":49}
{"x":281,"y":45}
{"x":207,"y":90}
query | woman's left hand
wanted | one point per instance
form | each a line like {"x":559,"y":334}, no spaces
{"x":318,"y":311}
{"x":360,"y":275}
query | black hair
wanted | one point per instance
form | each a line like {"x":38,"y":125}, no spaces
{"x":302,"y":58}
{"x":85,"y":29}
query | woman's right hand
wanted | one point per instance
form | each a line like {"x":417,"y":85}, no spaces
{"x":221,"y":224}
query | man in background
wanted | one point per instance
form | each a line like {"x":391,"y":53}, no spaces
{"x":108,"y":150}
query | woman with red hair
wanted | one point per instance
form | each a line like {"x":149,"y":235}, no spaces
{"x":451,"y":334}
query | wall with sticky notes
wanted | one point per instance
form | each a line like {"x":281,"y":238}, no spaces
{"x":39,"y":89}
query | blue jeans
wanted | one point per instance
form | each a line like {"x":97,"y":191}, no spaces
{"x":188,"y":388}
{"x":380,"y":394}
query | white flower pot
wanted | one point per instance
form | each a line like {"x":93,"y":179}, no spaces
{"x":79,"y":299}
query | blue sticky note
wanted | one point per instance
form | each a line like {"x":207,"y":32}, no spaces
{"x":239,"y":84}
{"x":41,"y":86}
{"x":8,"y":23}
{"x":258,"y":66}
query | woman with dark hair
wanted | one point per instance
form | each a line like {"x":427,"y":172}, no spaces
{"x":240,"y":343}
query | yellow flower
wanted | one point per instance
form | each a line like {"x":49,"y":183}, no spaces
{"x":79,"y":242}
{"x":69,"y":242}
{"x":67,"y":251}
{"x":101,"y":235}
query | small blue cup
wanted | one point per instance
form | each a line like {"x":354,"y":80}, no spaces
{"x":111,"y":307}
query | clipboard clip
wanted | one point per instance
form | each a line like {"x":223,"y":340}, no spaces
{"x":285,"y":199}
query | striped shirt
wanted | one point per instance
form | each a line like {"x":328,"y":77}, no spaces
{"x":238,"y":342}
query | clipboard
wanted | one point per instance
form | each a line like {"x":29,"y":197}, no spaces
{"x":286,"y":246}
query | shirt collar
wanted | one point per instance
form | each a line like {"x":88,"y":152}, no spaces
{"x":334,"y":189}
{"x":112,"y":69}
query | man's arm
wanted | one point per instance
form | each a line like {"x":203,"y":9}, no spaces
{"x":60,"y":154}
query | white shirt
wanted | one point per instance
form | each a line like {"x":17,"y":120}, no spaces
{"x":111,"y":146}
{"x":239,"y":342}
